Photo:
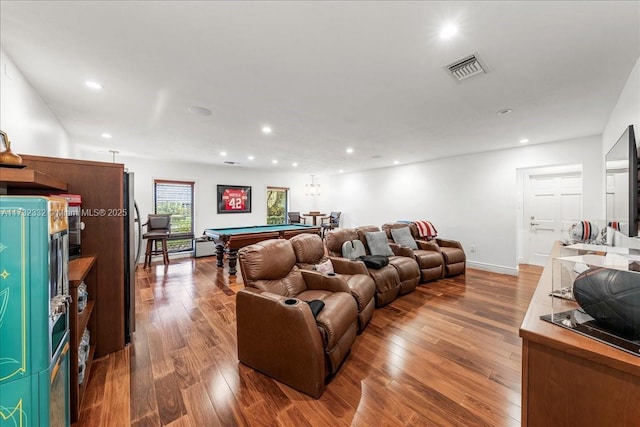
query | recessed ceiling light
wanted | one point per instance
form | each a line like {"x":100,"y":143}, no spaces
{"x":250,"y":157}
{"x":395,"y":162}
{"x":266,"y":130}
{"x":349,"y":150}
{"x":449,"y":30}
{"x":524,"y":141}
{"x":93,"y":85}
{"x":106,"y":135}
{"x":294,"y":164}
{"x":341,"y":171}
{"x":505,"y":111}
{"x":223,"y":153}
{"x":200,"y":111}
{"x":275,"y":162}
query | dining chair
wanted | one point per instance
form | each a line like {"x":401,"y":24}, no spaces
{"x":296,"y":218}
{"x":333,"y":221}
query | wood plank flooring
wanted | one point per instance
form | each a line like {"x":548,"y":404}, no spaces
{"x":448,"y":354}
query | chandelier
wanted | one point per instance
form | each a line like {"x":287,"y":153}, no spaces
{"x":312,"y":189}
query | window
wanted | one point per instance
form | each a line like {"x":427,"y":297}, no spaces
{"x":277,"y":202}
{"x":176,"y":198}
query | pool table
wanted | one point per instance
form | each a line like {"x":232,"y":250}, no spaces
{"x":233,"y":238}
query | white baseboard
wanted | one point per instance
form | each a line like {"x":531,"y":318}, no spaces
{"x":186,"y":254}
{"x":492,"y":268}
{"x":178,"y":255}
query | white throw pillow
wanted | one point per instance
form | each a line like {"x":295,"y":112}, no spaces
{"x":325,"y":267}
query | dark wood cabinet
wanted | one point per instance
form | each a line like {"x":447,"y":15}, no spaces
{"x":101,"y":185}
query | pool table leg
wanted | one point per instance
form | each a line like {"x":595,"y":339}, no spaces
{"x":233,"y":259}
{"x":220,"y":255}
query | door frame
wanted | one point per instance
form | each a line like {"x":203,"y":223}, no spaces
{"x":523,"y":174}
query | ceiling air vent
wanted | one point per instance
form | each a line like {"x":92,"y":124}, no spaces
{"x":467,"y":67}
{"x":227,"y":162}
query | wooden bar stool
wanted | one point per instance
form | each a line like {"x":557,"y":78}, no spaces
{"x":158,"y":229}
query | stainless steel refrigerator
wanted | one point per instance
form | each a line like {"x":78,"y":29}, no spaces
{"x":132,"y":245}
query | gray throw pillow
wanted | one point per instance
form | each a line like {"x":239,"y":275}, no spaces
{"x":378,"y":243}
{"x":402,"y":236}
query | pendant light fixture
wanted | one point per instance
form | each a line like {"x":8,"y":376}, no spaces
{"x":312,"y":189}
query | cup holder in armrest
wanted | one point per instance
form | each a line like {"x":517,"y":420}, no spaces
{"x":290,"y":301}
{"x":331,"y":274}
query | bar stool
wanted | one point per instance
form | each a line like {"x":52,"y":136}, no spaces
{"x":158,"y":229}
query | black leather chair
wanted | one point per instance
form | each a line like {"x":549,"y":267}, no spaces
{"x":296,"y":218}
{"x":158,"y":229}
{"x":332,"y":221}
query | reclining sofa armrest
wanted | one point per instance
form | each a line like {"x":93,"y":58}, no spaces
{"x":399,"y":250}
{"x":449,"y":243}
{"x":428,"y":246}
{"x":278,"y":336}
{"x":347,"y":266}
{"x":319,"y":281}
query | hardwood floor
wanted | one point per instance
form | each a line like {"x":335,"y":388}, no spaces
{"x":447,"y":354}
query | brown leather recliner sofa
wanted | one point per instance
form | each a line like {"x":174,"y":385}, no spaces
{"x":386,"y":279}
{"x":402,"y":260}
{"x":452,"y":252}
{"x":427,"y":254}
{"x":309,"y":250}
{"x":278,"y":334}
{"x":388,"y":285}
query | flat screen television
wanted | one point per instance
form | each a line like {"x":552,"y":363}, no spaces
{"x":623,"y":199}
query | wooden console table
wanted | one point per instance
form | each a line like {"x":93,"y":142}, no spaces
{"x":569,"y":379}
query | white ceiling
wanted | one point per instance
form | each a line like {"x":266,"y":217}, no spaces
{"x":324,"y":75}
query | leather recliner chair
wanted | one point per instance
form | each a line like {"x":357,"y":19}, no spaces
{"x":403,"y":261}
{"x":386,"y":279}
{"x":452,"y":252}
{"x":309,"y":251}
{"x":278,"y":334}
{"x":428,"y":255}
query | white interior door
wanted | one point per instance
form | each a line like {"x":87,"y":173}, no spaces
{"x":552,"y":203}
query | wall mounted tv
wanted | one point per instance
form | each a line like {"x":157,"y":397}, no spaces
{"x":623,"y":199}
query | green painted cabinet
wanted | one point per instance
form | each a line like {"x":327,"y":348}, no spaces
{"x":34,"y":325}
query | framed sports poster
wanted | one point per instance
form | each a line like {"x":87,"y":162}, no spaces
{"x":234,"y":199}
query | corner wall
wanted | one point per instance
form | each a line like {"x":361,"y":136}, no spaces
{"x":625,"y":113}
{"x":26,"y":118}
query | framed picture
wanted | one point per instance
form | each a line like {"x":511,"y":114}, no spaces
{"x":234,"y":199}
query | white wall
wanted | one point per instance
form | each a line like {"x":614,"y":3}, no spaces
{"x":25,"y":118}
{"x":626,"y":112}
{"x":470,"y":198}
{"x":206,"y":178}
